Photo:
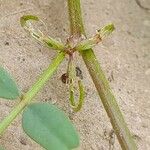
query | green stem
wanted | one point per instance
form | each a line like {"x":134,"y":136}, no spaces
{"x":27,"y":98}
{"x":76,"y":24}
{"x":101,"y":83}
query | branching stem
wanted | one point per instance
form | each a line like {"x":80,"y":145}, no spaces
{"x":28,"y":97}
{"x":101,"y":83}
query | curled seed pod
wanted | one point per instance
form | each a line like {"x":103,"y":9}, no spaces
{"x":98,"y":37}
{"x":26,"y":23}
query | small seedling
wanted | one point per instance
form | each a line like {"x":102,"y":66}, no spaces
{"x":44,"y":122}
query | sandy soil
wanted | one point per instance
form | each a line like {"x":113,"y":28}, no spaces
{"x":125,"y":58}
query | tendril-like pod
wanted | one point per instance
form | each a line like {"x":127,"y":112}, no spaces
{"x":25,"y":22}
{"x":98,"y":37}
{"x":76,"y":105}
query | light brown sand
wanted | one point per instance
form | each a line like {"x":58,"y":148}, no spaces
{"x":125,"y":58}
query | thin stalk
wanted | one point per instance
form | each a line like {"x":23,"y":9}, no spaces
{"x":27,"y":98}
{"x":101,"y":83}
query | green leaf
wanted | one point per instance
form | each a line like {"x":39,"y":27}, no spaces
{"x":8,"y":88}
{"x":49,"y":127}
